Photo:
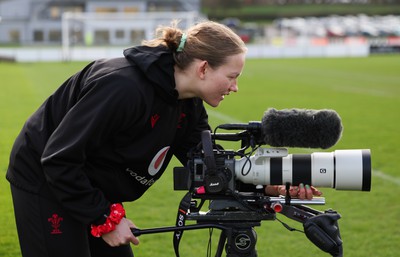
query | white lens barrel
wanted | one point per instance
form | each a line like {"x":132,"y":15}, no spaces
{"x":353,"y":170}
{"x":323,"y":170}
{"x":341,"y":169}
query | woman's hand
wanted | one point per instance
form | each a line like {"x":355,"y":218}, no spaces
{"x":122,"y":234}
{"x":301,"y":191}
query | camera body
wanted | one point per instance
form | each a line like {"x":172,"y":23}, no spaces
{"x":221,"y":180}
{"x":221,"y":172}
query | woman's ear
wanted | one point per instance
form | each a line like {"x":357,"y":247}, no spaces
{"x":202,"y":69}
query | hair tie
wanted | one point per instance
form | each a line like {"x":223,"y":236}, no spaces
{"x":182,"y":43}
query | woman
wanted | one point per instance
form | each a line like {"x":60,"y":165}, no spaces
{"x":107,"y":134}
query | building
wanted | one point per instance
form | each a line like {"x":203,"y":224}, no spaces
{"x":39,"y":22}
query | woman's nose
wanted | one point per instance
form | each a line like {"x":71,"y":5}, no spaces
{"x":234,"y":87}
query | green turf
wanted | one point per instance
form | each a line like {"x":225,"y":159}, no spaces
{"x":364,"y":91}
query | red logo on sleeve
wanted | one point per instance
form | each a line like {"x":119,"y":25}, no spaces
{"x":55,"y":222}
{"x":154,"y":119}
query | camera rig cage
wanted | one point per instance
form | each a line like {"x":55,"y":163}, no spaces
{"x":235,"y":207}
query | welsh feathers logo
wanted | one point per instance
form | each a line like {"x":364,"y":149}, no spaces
{"x":158,"y":161}
{"x":55,"y":222}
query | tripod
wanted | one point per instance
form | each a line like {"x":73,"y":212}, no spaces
{"x":238,"y":236}
{"x":237,"y":223}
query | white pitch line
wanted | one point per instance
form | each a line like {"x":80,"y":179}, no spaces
{"x":223,"y":117}
{"x":380,"y":174}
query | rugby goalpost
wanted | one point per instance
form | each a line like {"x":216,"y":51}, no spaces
{"x":93,"y":30}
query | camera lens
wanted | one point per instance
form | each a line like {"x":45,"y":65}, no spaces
{"x":341,"y":169}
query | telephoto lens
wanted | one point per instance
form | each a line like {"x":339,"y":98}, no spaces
{"x":341,"y":169}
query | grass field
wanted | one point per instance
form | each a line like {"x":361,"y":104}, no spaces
{"x":364,"y":91}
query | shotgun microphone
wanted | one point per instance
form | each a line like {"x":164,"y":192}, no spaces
{"x":303,"y":128}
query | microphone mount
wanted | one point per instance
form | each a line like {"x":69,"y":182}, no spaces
{"x":251,"y":134}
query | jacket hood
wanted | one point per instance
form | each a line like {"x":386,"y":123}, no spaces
{"x":157,"y":64}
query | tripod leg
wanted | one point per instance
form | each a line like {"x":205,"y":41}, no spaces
{"x":221,"y":244}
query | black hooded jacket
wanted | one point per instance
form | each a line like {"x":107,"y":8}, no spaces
{"x":107,"y":133}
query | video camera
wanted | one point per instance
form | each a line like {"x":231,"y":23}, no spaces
{"x":213,"y":170}
{"x":234,"y":181}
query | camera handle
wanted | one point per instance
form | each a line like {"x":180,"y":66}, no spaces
{"x":321,"y":228}
{"x":215,"y":180}
{"x":241,"y":238}
{"x":138,"y":232}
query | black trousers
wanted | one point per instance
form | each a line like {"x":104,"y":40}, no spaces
{"x":45,"y":229}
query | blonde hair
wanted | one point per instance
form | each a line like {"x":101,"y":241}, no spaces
{"x":208,"y":40}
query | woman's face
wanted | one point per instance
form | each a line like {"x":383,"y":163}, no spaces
{"x":219,"y":82}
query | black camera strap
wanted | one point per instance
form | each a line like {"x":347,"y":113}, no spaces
{"x":184,"y":205}
{"x":186,"y":200}
{"x":180,"y":220}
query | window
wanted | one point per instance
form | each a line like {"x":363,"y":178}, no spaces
{"x":105,"y":9}
{"x":131,"y":9}
{"x":119,"y":34}
{"x":101,"y":37}
{"x":38,"y":36}
{"x":55,"y":35}
{"x":55,"y":12}
{"x":15,"y":36}
{"x":137,"y":36}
